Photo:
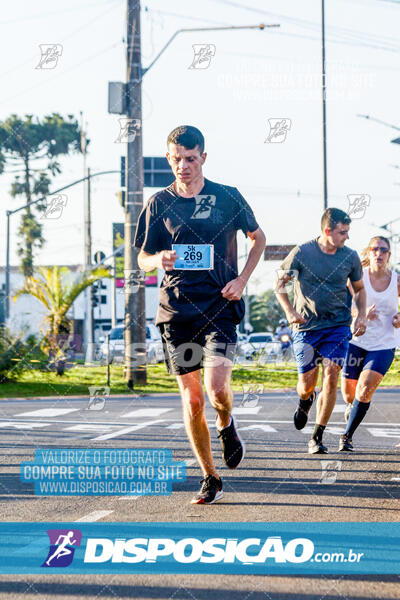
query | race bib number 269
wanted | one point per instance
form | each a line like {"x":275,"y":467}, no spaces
{"x":194,"y":256}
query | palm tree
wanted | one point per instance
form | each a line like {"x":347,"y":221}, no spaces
{"x":53,"y":287}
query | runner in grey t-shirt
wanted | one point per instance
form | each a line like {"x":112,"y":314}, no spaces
{"x":321,"y":315}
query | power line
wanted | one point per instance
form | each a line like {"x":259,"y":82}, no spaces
{"x":349,"y":35}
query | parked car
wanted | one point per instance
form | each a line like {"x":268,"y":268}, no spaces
{"x":261,"y":344}
{"x":154,"y":349}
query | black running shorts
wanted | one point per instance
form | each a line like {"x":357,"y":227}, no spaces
{"x":188,"y":346}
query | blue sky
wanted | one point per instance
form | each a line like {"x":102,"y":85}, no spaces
{"x":254,"y":76}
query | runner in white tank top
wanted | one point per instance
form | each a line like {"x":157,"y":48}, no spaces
{"x":369,"y":356}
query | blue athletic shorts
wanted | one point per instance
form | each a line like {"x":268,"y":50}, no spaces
{"x":358,"y":359}
{"x":311,"y":347}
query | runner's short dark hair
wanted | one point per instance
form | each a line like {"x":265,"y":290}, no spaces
{"x":332,"y":217}
{"x":187,"y":136}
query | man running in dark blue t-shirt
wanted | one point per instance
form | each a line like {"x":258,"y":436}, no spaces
{"x":189,"y":230}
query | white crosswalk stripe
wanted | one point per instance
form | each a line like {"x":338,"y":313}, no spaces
{"x":147,"y":412}
{"x":21,"y":425}
{"x":47,"y":412}
{"x":125,"y":430}
{"x":246,"y":410}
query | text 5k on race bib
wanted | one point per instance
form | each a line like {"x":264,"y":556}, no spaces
{"x":195,"y":257}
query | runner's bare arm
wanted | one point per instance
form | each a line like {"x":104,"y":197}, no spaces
{"x":282,"y":296}
{"x":396,"y":318}
{"x":234,"y":288}
{"x":360,"y":300}
{"x":162,"y":260}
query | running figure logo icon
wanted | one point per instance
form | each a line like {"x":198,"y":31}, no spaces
{"x":204,"y":205}
{"x":278,"y":129}
{"x":358,"y":204}
{"x":55,"y":206}
{"x":50,"y":53}
{"x":203,"y":54}
{"x":62,"y":547}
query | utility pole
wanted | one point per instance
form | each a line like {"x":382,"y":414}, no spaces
{"x":325,"y":175}
{"x":135,"y":314}
{"x":88,"y":264}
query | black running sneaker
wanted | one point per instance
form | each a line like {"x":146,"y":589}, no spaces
{"x":347,"y":412}
{"x":301,"y":415}
{"x":316,"y":447}
{"x":345,"y":444}
{"x":233,"y":448}
{"x":210,"y":491}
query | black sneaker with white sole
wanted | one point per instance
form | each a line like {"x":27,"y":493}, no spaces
{"x":233,"y":449}
{"x":300,"y":417}
{"x":316,"y":447}
{"x":345,"y":444}
{"x":210,"y":491}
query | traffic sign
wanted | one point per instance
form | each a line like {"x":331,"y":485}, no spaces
{"x":99,"y":256}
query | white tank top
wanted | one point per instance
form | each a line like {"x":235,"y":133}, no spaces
{"x":380,"y":334}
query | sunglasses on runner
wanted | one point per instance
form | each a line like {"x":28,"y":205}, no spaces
{"x":381,"y":248}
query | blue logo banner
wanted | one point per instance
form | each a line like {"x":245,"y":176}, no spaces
{"x":225,"y":548}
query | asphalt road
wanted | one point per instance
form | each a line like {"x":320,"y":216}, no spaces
{"x":278,"y":481}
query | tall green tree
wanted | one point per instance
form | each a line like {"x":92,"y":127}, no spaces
{"x":30,"y":147}
{"x":57,"y":290}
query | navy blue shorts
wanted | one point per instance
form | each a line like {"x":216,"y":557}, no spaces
{"x":311,"y":347}
{"x":358,"y":359}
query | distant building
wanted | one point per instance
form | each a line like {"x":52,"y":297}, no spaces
{"x":27,"y":314}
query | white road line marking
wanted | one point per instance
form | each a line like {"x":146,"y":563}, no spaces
{"x":246,"y":410}
{"x":129,"y":497}
{"x":386,"y":432}
{"x":147,"y":412}
{"x":266,"y":428}
{"x":176,"y":426}
{"x":190,"y":462}
{"x":47,"y":412}
{"x":96,"y":515}
{"x":89,"y":427}
{"x":108,"y":436}
{"x":332,"y":430}
{"x":339,"y":408}
{"x":21,"y":425}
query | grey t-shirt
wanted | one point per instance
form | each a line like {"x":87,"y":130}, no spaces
{"x":321,"y":295}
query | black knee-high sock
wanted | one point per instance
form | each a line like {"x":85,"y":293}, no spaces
{"x":358,"y":412}
{"x":318,"y":432}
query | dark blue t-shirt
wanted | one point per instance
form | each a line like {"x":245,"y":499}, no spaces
{"x":212,"y":217}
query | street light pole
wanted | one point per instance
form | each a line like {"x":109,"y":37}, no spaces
{"x":325,"y":174}
{"x":12,"y":212}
